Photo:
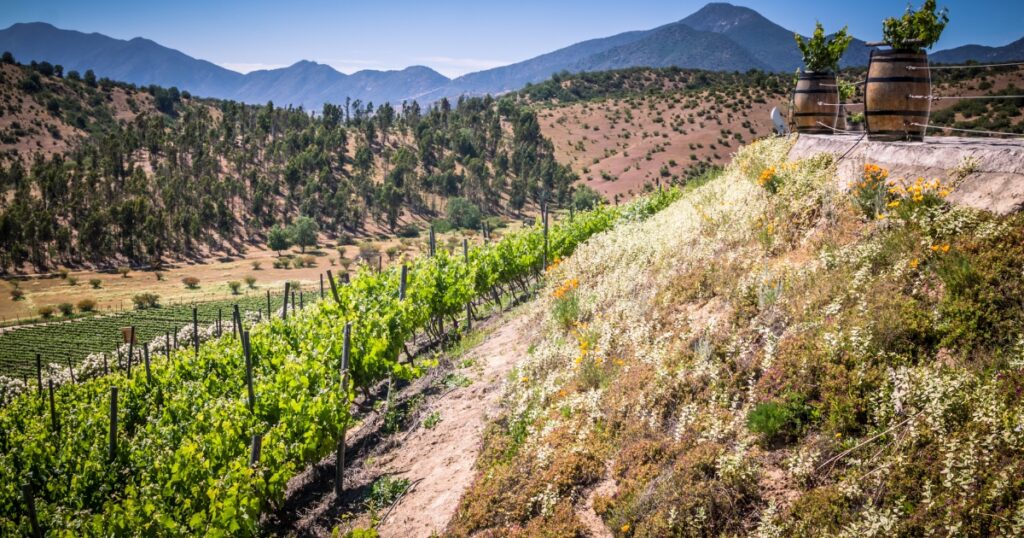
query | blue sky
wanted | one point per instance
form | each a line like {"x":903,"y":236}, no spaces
{"x":453,"y":36}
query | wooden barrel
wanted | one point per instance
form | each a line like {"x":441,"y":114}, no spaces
{"x":896,"y":106}
{"x":815,"y":103}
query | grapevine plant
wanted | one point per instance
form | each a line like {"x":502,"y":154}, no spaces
{"x":821,"y":53}
{"x":916,"y":30}
{"x":182,"y":463}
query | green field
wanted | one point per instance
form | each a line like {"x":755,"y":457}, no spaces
{"x":60,"y":341}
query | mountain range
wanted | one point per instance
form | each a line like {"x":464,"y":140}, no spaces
{"x":719,"y":36}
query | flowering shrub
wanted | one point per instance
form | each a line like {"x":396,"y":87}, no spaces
{"x":769,"y":179}
{"x":871,"y":192}
{"x":875,"y":393}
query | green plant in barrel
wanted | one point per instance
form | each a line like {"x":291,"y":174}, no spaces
{"x":916,"y":30}
{"x":821,"y":53}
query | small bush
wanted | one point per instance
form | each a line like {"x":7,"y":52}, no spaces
{"x":408,"y":231}
{"x":95,"y":283}
{"x":432,"y":420}
{"x":143,"y":301}
{"x":66,"y":308}
{"x":86,"y":305}
{"x":567,"y":304}
{"x":234,"y":285}
{"x":190,"y":282}
{"x":779,"y":421}
{"x":72,"y":281}
{"x":63,"y":273}
{"x":308,"y":261}
{"x":871,"y":193}
{"x":250,"y":281}
{"x":385,"y":491}
{"x":159,"y":275}
{"x":123,"y":271}
{"x":462,"y":213}
{"x":256,"y":266}
{"x":46,"y":311}
{"x":17,"y":294}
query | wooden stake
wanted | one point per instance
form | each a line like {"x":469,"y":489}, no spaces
{"x":284,"y":309}
{"x":255,"y":447}
{"x":465,"y":250}
{"x":334,"y":287}
{"x":39,"y":372}
{"x":30,"y":507}
{"x":145,"y":354}
{"x":54,"y":423}
{"x":339,"y":467}
{"x":195,"y":330}
{"x":270,"y":313}
{"x":321,"y":286}
{"x":112,"y":450}
{"x":71,"y":370}
{"x":131,"y":349}
{"x":402,"y":282}
{"x":246,"y":351}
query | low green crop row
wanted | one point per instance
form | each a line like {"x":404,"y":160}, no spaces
{"x":182,"y":463}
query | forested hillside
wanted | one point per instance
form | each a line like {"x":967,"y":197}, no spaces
{"x":96,"y":171}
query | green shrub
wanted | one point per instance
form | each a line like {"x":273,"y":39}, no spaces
{"x":46,"y":311}
{"x":432,"y":420}
{"x":441,"y":226}
{"x":250,"y":281}
{"x":143,"y":301}
{"x":66,"y":308}
{"x":385,"y":491}
{"x":586,"y":198}
{"x":190,"y":282}
{"x":234,"y":285}
{"x":86,"y":305}
{"x":95,"y":283}
{"x":17,"y":294}
{"x":779,"y":421}
{"x":123,"y":271}
{"x":72,"y":281}
{"x":408,"y":230}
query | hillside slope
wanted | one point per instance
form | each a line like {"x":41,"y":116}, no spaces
{"x":100,"y":172}
{"x":763,"y":359}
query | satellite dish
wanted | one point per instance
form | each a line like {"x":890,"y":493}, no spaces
{"x":780,"y":123}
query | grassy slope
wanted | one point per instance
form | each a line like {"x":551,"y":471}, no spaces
{"x":771,"y":364}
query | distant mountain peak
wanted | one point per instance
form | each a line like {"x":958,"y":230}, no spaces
{"x":721,"y":17}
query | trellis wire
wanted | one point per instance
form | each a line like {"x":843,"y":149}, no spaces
{"x":934,"y":67}
{"x":820,"y":103}
{"x":938,"y":97}
{"x":978,"y":131}
{"x":835,"y":129}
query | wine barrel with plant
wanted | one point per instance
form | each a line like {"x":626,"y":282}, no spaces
{"x":897,"y":92}
{"x":816,"y":97}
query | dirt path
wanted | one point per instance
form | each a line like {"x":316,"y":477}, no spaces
{"x":439,"y":461}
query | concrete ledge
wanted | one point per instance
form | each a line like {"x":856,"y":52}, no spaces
{"x":994,"y":183}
